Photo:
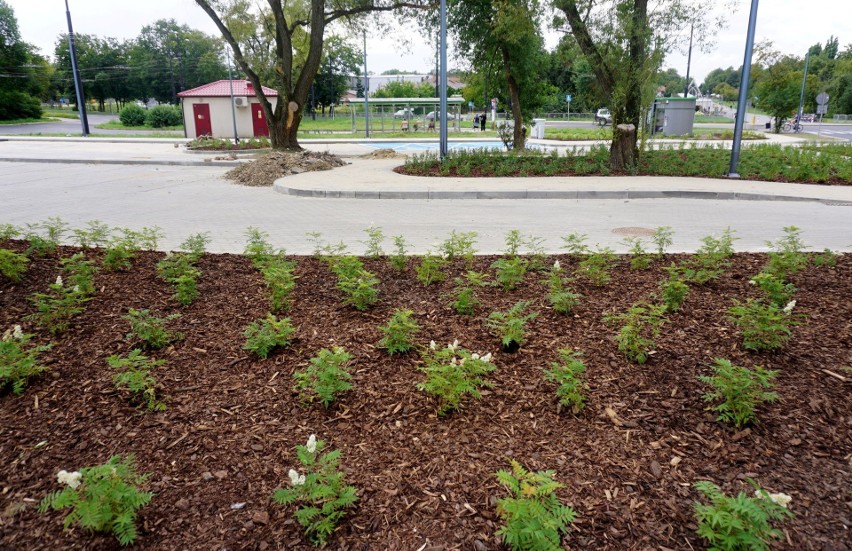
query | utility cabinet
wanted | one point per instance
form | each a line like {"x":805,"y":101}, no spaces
{"x":673,"y":116}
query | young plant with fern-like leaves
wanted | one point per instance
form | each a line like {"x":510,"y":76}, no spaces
{"x":266,"y":334}
{"x":325,"y":377}
{"x":453,"y":373}
{"x":399,"y":332}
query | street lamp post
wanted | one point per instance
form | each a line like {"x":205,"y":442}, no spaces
{"x":443,"y":81}
{"x":744,"y":80}
{"x":78,"y":84}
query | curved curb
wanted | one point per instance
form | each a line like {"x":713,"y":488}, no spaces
{"x":153,"y":162}
{"x":281,"y":187}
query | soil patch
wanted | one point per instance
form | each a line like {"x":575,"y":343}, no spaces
{"x":627,"y":461}
{"x":265,"y":169}
{"x":384,"y":153}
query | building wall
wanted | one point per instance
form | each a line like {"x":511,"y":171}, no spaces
{"x":220,"y":116}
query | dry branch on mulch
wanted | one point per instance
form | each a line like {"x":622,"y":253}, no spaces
{"x":264,"y":170}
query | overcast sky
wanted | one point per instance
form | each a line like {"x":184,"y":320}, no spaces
{"x":793,"y":25}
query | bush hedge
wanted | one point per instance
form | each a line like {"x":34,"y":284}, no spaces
{"x":132,"y":115}
{"x":161,"y":116}
{"x":18,"y":105}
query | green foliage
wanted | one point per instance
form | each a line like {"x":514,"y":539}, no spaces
{"x":596,"y":267}
{"x":399,"y":332}
{"x":320,"y":492}
{"x":263,"y":335}
{"x":675,"y":291}
{"x":375,"y":237}
{"x":196,"y":245}
{"x":459,"y":245}
{"x":776,"y":290}
{"x":16,"y":105}
{"x":135,"y":377}
{"x":787,"y":257}
{"x":568,"y":373}
{"x":514,"y":241}
{"x":575,"y":244}
{"x":258,"y":249}
{"x":8,"y":231}
{"x":825,"y":258}
{"x":737,"y":523}
{"x":510,"y":272}
{"x":509,"y":325}
{"x":13,"y":265}
{"x":399,"y":258}
{"x":121,"y":250}
{"x":764,"y":326}
{"x":106,"y":499}
{"x":55,"y":308}
{"x":534,"y":517}
{"x":279,"y":275}
{"x":741,"y":390}
{"x":640,"y":259}
{"x":709,"y":261}
{"x":641,"y":326}
{"x":132,"y":115}
{"x":95,"y":234}
{"x":150,"y":329}
{"x":79,"y":273}
{"x":45,"y":237}
{"x":179,"y":270}
{"x":359,"y":287}
{"x":453,"y":373}
{"x":429,"y":269}
{"x":562,"y":298}
{"x":18,"y":361}
{"x":162,"y":116}
{"x":463,"y":294}
{"x":325,"y":377}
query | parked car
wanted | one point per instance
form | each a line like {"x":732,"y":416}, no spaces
{"x":405,"y":113}
{"x":432,"y":115}
{"x":603,"y":117}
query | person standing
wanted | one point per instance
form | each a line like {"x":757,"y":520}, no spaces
{"x":475,"y":121}
{"x":482,"y":122}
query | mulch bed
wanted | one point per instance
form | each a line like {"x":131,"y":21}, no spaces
{"x":232,"y":420}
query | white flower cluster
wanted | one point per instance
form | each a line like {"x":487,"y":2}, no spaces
{"x":789,"y":308}
{"x":486,"y":358}
{"x":15,"y":333}
{"x":296,"y":479}
{"x":312,"y":443}
{"x":59,"y":280}
{"x":556,"y":266}
{"x":71,"y":479}
{"x":781,"y":499}
{"x":454,"y":345}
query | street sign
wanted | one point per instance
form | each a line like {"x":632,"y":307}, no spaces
{"x":822,"y":99}
{"x":822,"y":109}
{"x":567,"y":98}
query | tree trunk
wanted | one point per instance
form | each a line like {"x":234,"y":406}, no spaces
{"x":282,"y":137}
{"x":519,"y":134}
{"x":622,"y":151}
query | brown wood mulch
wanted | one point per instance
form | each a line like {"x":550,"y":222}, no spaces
{"x":426,"y":482}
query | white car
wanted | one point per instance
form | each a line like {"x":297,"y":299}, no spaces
{"x":405,"y":113}
{"x":603,"y":117}
{"x":432,"y":115}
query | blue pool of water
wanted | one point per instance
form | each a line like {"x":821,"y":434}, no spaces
{"x":432,"y":146}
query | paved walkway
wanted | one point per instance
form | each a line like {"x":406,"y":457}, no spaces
{"x":110,"y":184}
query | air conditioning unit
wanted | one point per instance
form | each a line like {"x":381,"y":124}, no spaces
{"x":240,"y":102}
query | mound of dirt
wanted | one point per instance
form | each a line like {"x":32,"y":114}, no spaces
{"x":264,"y":170}
{"x":386,"y":153}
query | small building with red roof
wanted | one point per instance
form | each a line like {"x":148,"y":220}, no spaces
{"x":210,"y":110}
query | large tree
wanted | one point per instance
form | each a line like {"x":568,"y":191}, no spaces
{"x":21,"y":68}
{"x":625,"y":42}
{"x":296,"y":32}
{"x":506,"y":33}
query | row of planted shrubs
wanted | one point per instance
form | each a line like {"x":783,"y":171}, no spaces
{"x":759,"y":162}
{"x":159,"y":116}
{"x":451,"y":372}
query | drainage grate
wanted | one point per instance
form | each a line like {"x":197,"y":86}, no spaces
{"x":634,"y":231}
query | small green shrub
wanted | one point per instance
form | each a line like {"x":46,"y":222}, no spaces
{"x":55,"y":308}
{"x":320,"y":493}
{"x":510,"y":272}
{"x":375,"y":238}
{"x":741,"y":390}
{"x":510,"y":325}
{"x":150,"y":329}
{"x":8,"y":231}
{"x":132,"y":115}
{"x":80,"y":273}
{"x":429,"y":270}
{"x":776,"y":290}
{"x":95,"y":234}
{"x":639,"y":258}
{"x":280,"y":277}
{"x":265,"y":334}
{"x":161,"y":116}
{"x":135,"y":377}
{"x":325,"y":377}
{"x":18,"y":361}
{"x":596,"y":267}
{"x":825,"y":258}
{"x":258,"y":249}
{"x":453,"y":373}
{"x":763,"y":326}
{"x":575,"y":244}
{"x":103,"y":498}
{"x":399,"y":332}
{"x":675,"y":291}
{"x":534,"y":518}
{"x":13,"y":265}
{"x":179,"y":270}
{"x":737,"y":523}
{"x":710,"y":260}
{"x":459,"y":245}
{"x":642,"y":324}
{"x":196,"y":245}
{"x":786,"y":257}
{"x":568,"y":373}
{"x":359,"y":287}
{"x":662,"y":238}
{"x":562,"y":298}
{"x":399,"y":259}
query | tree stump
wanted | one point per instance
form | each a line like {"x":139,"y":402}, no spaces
{"x":622,"y":152}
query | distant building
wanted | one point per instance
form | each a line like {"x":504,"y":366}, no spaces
{"x":207,"y":110}
{"x":380,"y":81}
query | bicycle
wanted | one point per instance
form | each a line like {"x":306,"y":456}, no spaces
{"x":791,"y":127}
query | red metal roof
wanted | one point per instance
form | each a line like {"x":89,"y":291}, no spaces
{"x":222,"y":88}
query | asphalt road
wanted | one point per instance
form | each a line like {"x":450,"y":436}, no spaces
{"x":70,"y":127}
{"x":185,"y":200}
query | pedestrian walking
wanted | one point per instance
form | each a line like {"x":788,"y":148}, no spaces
{"x":475,"y":121}
{"x":482,"y":122}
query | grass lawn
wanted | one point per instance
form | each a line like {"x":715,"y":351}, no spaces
{"x":26,"y":121}
{"x":61,"y":113}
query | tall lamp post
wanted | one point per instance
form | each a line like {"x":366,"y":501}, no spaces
{"x":744,"y":80}
{"x":78,"y":84}
{"x":689,"y":60}
{"x":443,"y":81}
